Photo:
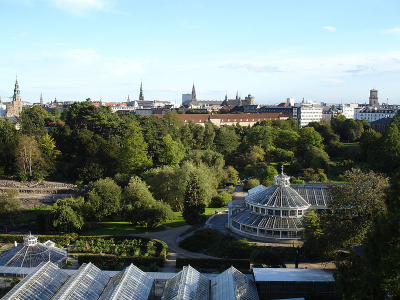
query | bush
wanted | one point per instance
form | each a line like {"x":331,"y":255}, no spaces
{"x":271,"y":257}
{"x":113,"y":262}
{"x":221,"y":199}
{"x":19,"y":238}
{"x":213,"y":263}
{"x":251,"y":183}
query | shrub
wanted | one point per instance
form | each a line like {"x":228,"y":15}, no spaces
{"x":251,"y":183}
{"x":113,"y":262}
{"x":221,"y":199}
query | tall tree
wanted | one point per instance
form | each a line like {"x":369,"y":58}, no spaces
{"x":28,"y":156}
{"x":354,"y":206}
{"x":194,"y":201}
{"x":9,"y":137}
{"x":172,"y":152}
{"x":132,"y":155}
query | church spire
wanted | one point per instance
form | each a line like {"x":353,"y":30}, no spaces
{"x":193,"y":93}
{"x":141,"y":96}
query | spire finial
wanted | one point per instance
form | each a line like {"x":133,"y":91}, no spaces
{"x":282,"y":169}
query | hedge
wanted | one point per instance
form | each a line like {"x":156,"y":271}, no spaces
{"x":213,"y":263}
{"x":19,"y":238}
{"x":112,"y":262}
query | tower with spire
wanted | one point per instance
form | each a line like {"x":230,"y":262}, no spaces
{"x":41,"y":99}
{"x":193,"y":94}
{"x":15,"y":107}
{"x":141,"y":95}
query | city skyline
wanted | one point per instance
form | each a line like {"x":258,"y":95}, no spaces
{"x":77,"y":49}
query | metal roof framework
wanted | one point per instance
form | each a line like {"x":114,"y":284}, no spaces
{"x":131,"y":283}
{"x":41,"y":284}
{"x":233,"y":284}
{"x":87,"y":283}
{"x":187,"y":284}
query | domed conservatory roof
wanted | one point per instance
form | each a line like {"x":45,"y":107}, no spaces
{"x":253,"y":219}
{"x":278,"y":195}
{"x":31,"y":253}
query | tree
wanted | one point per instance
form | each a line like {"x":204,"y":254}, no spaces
{"x":354,"y":206}
{"x":33,"y":121}
{"x":132,"y":155}
{"x":66,"y":215}
{"x":173,"y":151}
{"x":140,"y":207}
{"x":103,"y":198}
{"x":10,"y":205}
{"x":389,"y":148}
{"x":271,"y":257}
{"x":194,"y":201}
{"x":8,"y":142}
{"x":226,"y":140}
{"x":369,"y":144}
{"x":316,"y":158}
{"x":268,"y":176}
{"x":309,"y":138}
{"x":254,"y":156}
{"x":28,"y":156}
{"x":375,"y":275}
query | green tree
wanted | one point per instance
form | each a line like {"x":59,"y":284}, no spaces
{"x":226,"y":140}
{"x":375,"y":275}
{"x":313,"y":235}
{"x":389,"y":148}
{"x":316,"y":158}
{"x":132,"y":155}
{"x":254,"y":156}
{"x":173,"y":151}
{"x":140,"y":207}
{"x":103,"y":198}
{"x":33,"y":121}
{"x":271,"y":257}
{"x":10,"y":205}
{"x":66,"y":215}
{"x":268,"y":176}
{"x":369,"y":144}
{"x":8,"y":142}
{"x":28,"y":156}
{"x":354,"y":206}
{"x":221,"y":199}
{"x":194,"y":201}
{"x":309,"y":138}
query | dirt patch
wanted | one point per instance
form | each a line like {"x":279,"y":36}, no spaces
{"x":33,"y":193}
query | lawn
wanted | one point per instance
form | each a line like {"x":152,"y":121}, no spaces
{"x":178,"y":220}
{"x":120,"y":228}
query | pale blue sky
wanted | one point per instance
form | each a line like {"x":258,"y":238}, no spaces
{"x":330,"y":51}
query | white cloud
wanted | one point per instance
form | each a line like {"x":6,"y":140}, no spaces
{"x":333,"y":80}
{"x":391,"y":31}
{"x":80,"y":7}
{"x":329,"y":28}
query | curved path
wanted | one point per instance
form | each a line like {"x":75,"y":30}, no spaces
{"x":169,"y":236}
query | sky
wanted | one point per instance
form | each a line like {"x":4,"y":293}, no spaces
{"x":324,"y":51}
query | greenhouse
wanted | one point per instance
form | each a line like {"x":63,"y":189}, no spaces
{"x":277,"y":212}
{"x":86,"y":283}
{"x":31,"y":254}
{"x":41,"y":284}
{"x":48,"y":281}
{"x":233,"y":285}
{"x":131,"y":283}
{"x":187,"y":284}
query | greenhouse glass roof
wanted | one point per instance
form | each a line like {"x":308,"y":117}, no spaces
{"x":41,"y":284}
{"x":253,"y":219}
{"x":31,"y":253}
{"x":232,"y":284}
{"x":86,"y":283}
{"x":131,"y":283}
{"x":187,"y":284}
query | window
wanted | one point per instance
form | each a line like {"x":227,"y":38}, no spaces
{"x":292,"y":234}
{"x":270,"y":212}
{"x":277,"y":212}
{"x":299,"y":212}
{"x":284,"y":213}
{"x":292,"y":213}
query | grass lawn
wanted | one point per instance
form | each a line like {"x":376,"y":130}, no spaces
{"x":120,"y":228}
{"x":31,"y":214}
{"x":178,"y":221}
